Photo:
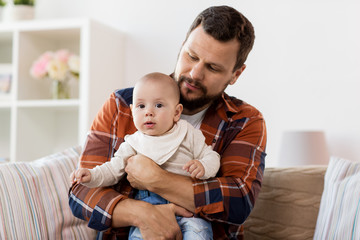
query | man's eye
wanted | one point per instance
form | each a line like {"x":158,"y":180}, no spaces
{"x":158,"y":105}
{"x":192,"y":57}
{"x":212,"y":68}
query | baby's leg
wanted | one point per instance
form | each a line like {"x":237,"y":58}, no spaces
{"x":149,"y":197}
{"x":195,"y":228}
{"x":135,"y":234}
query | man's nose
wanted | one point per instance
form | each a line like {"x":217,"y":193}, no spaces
{"x":197,"y":71}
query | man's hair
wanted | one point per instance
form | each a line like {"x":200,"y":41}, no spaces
{"x":225,"y":23}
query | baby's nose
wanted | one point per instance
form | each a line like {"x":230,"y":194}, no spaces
{"x":149,"y":113}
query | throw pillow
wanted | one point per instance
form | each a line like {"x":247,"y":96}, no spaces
{"x":34,"y":199}
{"x":288,"y":204}
{"x":339,"y":214}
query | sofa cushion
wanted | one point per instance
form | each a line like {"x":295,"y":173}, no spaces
{"x":339,"y":214}
{"x":34,"y":199}
{"x":287,"y":205}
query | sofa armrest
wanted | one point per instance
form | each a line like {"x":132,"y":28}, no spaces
{"x":34,"y":199}
{"x":288,"y":204}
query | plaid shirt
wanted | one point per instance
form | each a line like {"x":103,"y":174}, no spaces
{"x":233,"y":128}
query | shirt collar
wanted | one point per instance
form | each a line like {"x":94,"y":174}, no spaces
{"x":226,"y":104}
{"x":229,"y":105}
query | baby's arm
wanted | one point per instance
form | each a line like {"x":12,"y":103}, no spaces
{"x":81,"y":175}
{"x":204,"y":154}
{"x":195,"y":168}
{"x":109,"y":173}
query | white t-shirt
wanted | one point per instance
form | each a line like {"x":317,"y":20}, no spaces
{"x":196,"y":119}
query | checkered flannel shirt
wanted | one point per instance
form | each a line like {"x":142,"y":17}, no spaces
{"x":234,"y":129}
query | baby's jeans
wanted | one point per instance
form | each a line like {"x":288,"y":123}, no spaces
{"x":191,"y":228}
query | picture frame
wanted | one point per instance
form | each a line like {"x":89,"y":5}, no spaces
{"x":5,"y":81}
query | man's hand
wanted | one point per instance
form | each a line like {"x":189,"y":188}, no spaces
{"x":144,"y":173}
{"x":154,"y":221}
{"x":167,"y":227}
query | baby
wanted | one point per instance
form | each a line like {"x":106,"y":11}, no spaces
{"x":162,"y":136}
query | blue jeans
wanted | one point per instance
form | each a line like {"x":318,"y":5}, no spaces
{"x":191,"y":228}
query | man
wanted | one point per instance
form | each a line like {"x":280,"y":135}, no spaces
{"x":211,"y":58}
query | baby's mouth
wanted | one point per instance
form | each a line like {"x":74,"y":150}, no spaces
{"x":149,"y":124}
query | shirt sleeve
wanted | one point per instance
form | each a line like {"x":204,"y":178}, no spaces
{"x":230,"y":196}
{"x":96,"y":205}
{"x":111,"y":172}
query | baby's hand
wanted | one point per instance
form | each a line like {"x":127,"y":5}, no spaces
{"x":81,"y":175}
{"x":195,"y":168}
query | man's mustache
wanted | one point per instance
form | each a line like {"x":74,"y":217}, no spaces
{"x":193,"y":82}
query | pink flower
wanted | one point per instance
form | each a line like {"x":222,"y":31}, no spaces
{"x":62,"y":55}
{"x":57,"y":65}
{"x":39,"y":68}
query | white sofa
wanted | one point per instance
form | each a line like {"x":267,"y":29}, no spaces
{"x":294,"y":203}
{"x":34,"y":199}
{"x":310,"y":202}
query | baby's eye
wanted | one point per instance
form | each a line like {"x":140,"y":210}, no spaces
{"x":141,"y":106}
{"x":158,"y":105}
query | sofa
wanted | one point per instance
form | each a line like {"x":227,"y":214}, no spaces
{"x":34,"y":199}
{"x":311,"y":202}
{"x":308,"y":202}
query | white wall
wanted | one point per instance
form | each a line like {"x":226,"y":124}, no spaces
{"x":303,"y":74}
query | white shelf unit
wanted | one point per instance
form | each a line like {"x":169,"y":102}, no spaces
{"x":33,"y":125}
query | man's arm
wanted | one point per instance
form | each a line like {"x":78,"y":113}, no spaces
{"x":96,"y":205}
{"x":154,"y":221}
{"x":112,"y":123}
{"x":231,"y":196}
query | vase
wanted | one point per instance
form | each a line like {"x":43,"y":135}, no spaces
{"x":13,"y":13}
{"x":60,"y":89}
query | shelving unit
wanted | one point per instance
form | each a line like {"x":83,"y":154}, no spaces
{"x":33,"y":125}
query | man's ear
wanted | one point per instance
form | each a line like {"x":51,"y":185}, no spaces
{"x":237,"y":74}
{"x":178,"y":111}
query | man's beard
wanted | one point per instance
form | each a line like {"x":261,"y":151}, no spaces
{"x":197,"y":103}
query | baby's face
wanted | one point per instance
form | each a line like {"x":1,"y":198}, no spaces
{"x":154,"y":108}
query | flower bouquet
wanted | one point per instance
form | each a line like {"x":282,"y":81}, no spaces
{"x":60,"y":67}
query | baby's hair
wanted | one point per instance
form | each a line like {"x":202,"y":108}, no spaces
{"x":157,"y":76}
